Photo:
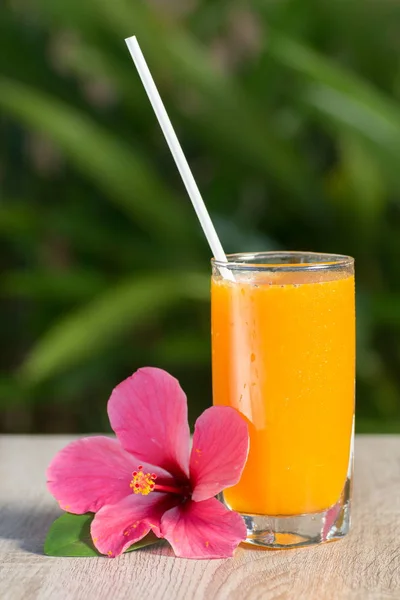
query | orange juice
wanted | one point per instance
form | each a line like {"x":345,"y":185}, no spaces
{"x":283,"y":354}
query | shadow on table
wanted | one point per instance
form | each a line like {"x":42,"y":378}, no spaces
{"x":26,"y":525}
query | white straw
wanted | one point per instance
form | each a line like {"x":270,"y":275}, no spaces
{"x":177,"y":152}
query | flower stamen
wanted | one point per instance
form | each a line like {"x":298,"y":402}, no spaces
{"x":142,"y":483}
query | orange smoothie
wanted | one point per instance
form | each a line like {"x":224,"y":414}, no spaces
{"x":283,"y":354}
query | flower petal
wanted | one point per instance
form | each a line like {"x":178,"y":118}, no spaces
{"x":203,"y":529}
{"x":219,"y":452}
{"x":92,"y":472}
{"x":115,"y":528}
{"x":148,"y":412}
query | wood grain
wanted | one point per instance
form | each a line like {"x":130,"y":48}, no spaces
{"x":364,"y":566}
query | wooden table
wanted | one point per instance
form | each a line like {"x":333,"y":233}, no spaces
{"x":364,"y":566}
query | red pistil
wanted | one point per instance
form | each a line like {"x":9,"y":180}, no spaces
{"x":169,"y":488}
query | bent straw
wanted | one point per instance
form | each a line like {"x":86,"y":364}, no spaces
{"x":177,"y":153}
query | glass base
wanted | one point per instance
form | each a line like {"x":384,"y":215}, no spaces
{"x":297,"y":531}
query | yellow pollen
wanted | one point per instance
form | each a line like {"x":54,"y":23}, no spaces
{"x":207,"y":544}
{"x":109,"y":553}
{"x":142,"y":483}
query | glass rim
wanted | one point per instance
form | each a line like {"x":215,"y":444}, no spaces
{"x":242,"y":261}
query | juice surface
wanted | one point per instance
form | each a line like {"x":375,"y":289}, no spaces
{"x":283,"y":347}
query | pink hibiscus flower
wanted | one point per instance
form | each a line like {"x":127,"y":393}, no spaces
{"x":148,"y":479}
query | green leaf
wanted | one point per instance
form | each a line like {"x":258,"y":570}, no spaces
{"x":69,"y":535}
{"x":12,"y":393}
{"x":385,"y":309}
{"x":358,"y":189}
{"x":343,"y":98}
{"x":183,"y":348}
{"x":367,"y":185}
{"x":148,"y":540}
{"x":100,"y":323}
{"x":227,"y":117}
{"x":52,"y":285}
{"x":16,"y":220}
{"x":114,"y":167}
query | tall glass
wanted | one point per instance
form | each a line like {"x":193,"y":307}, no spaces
{"x":283,"y":354}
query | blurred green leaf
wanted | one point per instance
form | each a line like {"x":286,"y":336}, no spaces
{"x":62,"y":285}
{"x":224,"y":116}
{"x":374,"y":426}
{"x":183,"y":348}
{"x":358,"y":188}
{"x":12,"y":393}
{"x":111,"y":164}
{"x":17,"y":220}
{"x":366,"y":181}
{"x":385,"y":309}
{"x":343,"y":98}
{"x":111,"y":315}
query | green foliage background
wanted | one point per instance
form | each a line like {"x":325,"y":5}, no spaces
{"x":289,"y":112}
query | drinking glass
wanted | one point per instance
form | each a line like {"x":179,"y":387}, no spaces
{"x":283,"y":355}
